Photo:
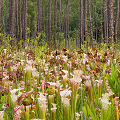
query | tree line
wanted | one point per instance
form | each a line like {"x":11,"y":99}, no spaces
{"x":61,"y":20}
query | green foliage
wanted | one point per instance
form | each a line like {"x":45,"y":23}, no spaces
{"x":113,"y":79}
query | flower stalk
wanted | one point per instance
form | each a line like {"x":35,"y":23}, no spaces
{"x":28,"y":75}
{"x":117,"y":108}
{"x":50,"y":101}
{"x":27,"y":112}
{"x":75,"y":83}
{"x":42,"y":106}
{"x":66,"y":109}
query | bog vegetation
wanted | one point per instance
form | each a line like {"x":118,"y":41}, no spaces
{"x":37,"y":83}
{"x":59,"y":60}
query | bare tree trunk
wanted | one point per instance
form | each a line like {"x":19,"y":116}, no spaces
{"x":0,"y":14}
{"x":12,"y":17}
{"x":66,"y":26}
{"x":96,"y":27}
{"x":39,"y":16}
{"x":0,"y":22}
{"x":101,"y":22}
{"x":93,"y":16}
{"x":105,"y":21}
{"x":85,"y":20}
{"x":60,"y":13}
{"x":35,"y":22}
{"x":19,"y":17}
{"x":90,"y":20}
{"x":24,"y":29}
{"x":2,"y":11}
{"x":46,"y":26}
{"x":55,"y":22}
{"x":6,"y":11}
{"x":49,"y":24}
{"x":110,"y":20}
{"x":68,"y":4}
{"x":10,"y":13}
{"x":81,"y":23}
{"x":116,"y":21}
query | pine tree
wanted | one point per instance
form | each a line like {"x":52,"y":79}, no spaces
{"x":116,"y":21}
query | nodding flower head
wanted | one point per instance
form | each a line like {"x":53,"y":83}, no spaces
{"x":66,"y":102}
{"x":88,"y":86}
{"x":65,"y":93}
{"x":28,"y":68}
{"x":78,"y":73}
{"x":42,"y":101}
{"x":105,"y":101}
{"x":76,"y":77}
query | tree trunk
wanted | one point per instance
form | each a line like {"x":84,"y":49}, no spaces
{"x":116,"y":21}
{"x":24,"y":29}
{"x":0,"y":24}
{"x":105,"y":21}
{"x":110,"y":20}
{"x":67,"y":23}
{"x":35,"y":22}
{"x":9,"y":13}
{"x":55,"y":22}
{"x":19,"y":17}
{"x":90,"y":22}
{"x":2,"y":11}
{"x":81,"y":23}
{"x":12,"y":17}
{"x":39,"y":16}
{"x":49,"y":24}
{"x":93,"y":16}
{"x":0,"y":14}
{"x":60,"y":13}
{"x":66,"y":26}
{"x":101,"y":23}
{"x":96,"y":27}
{"x":85,"y":19}
{"x":6,"y":13}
